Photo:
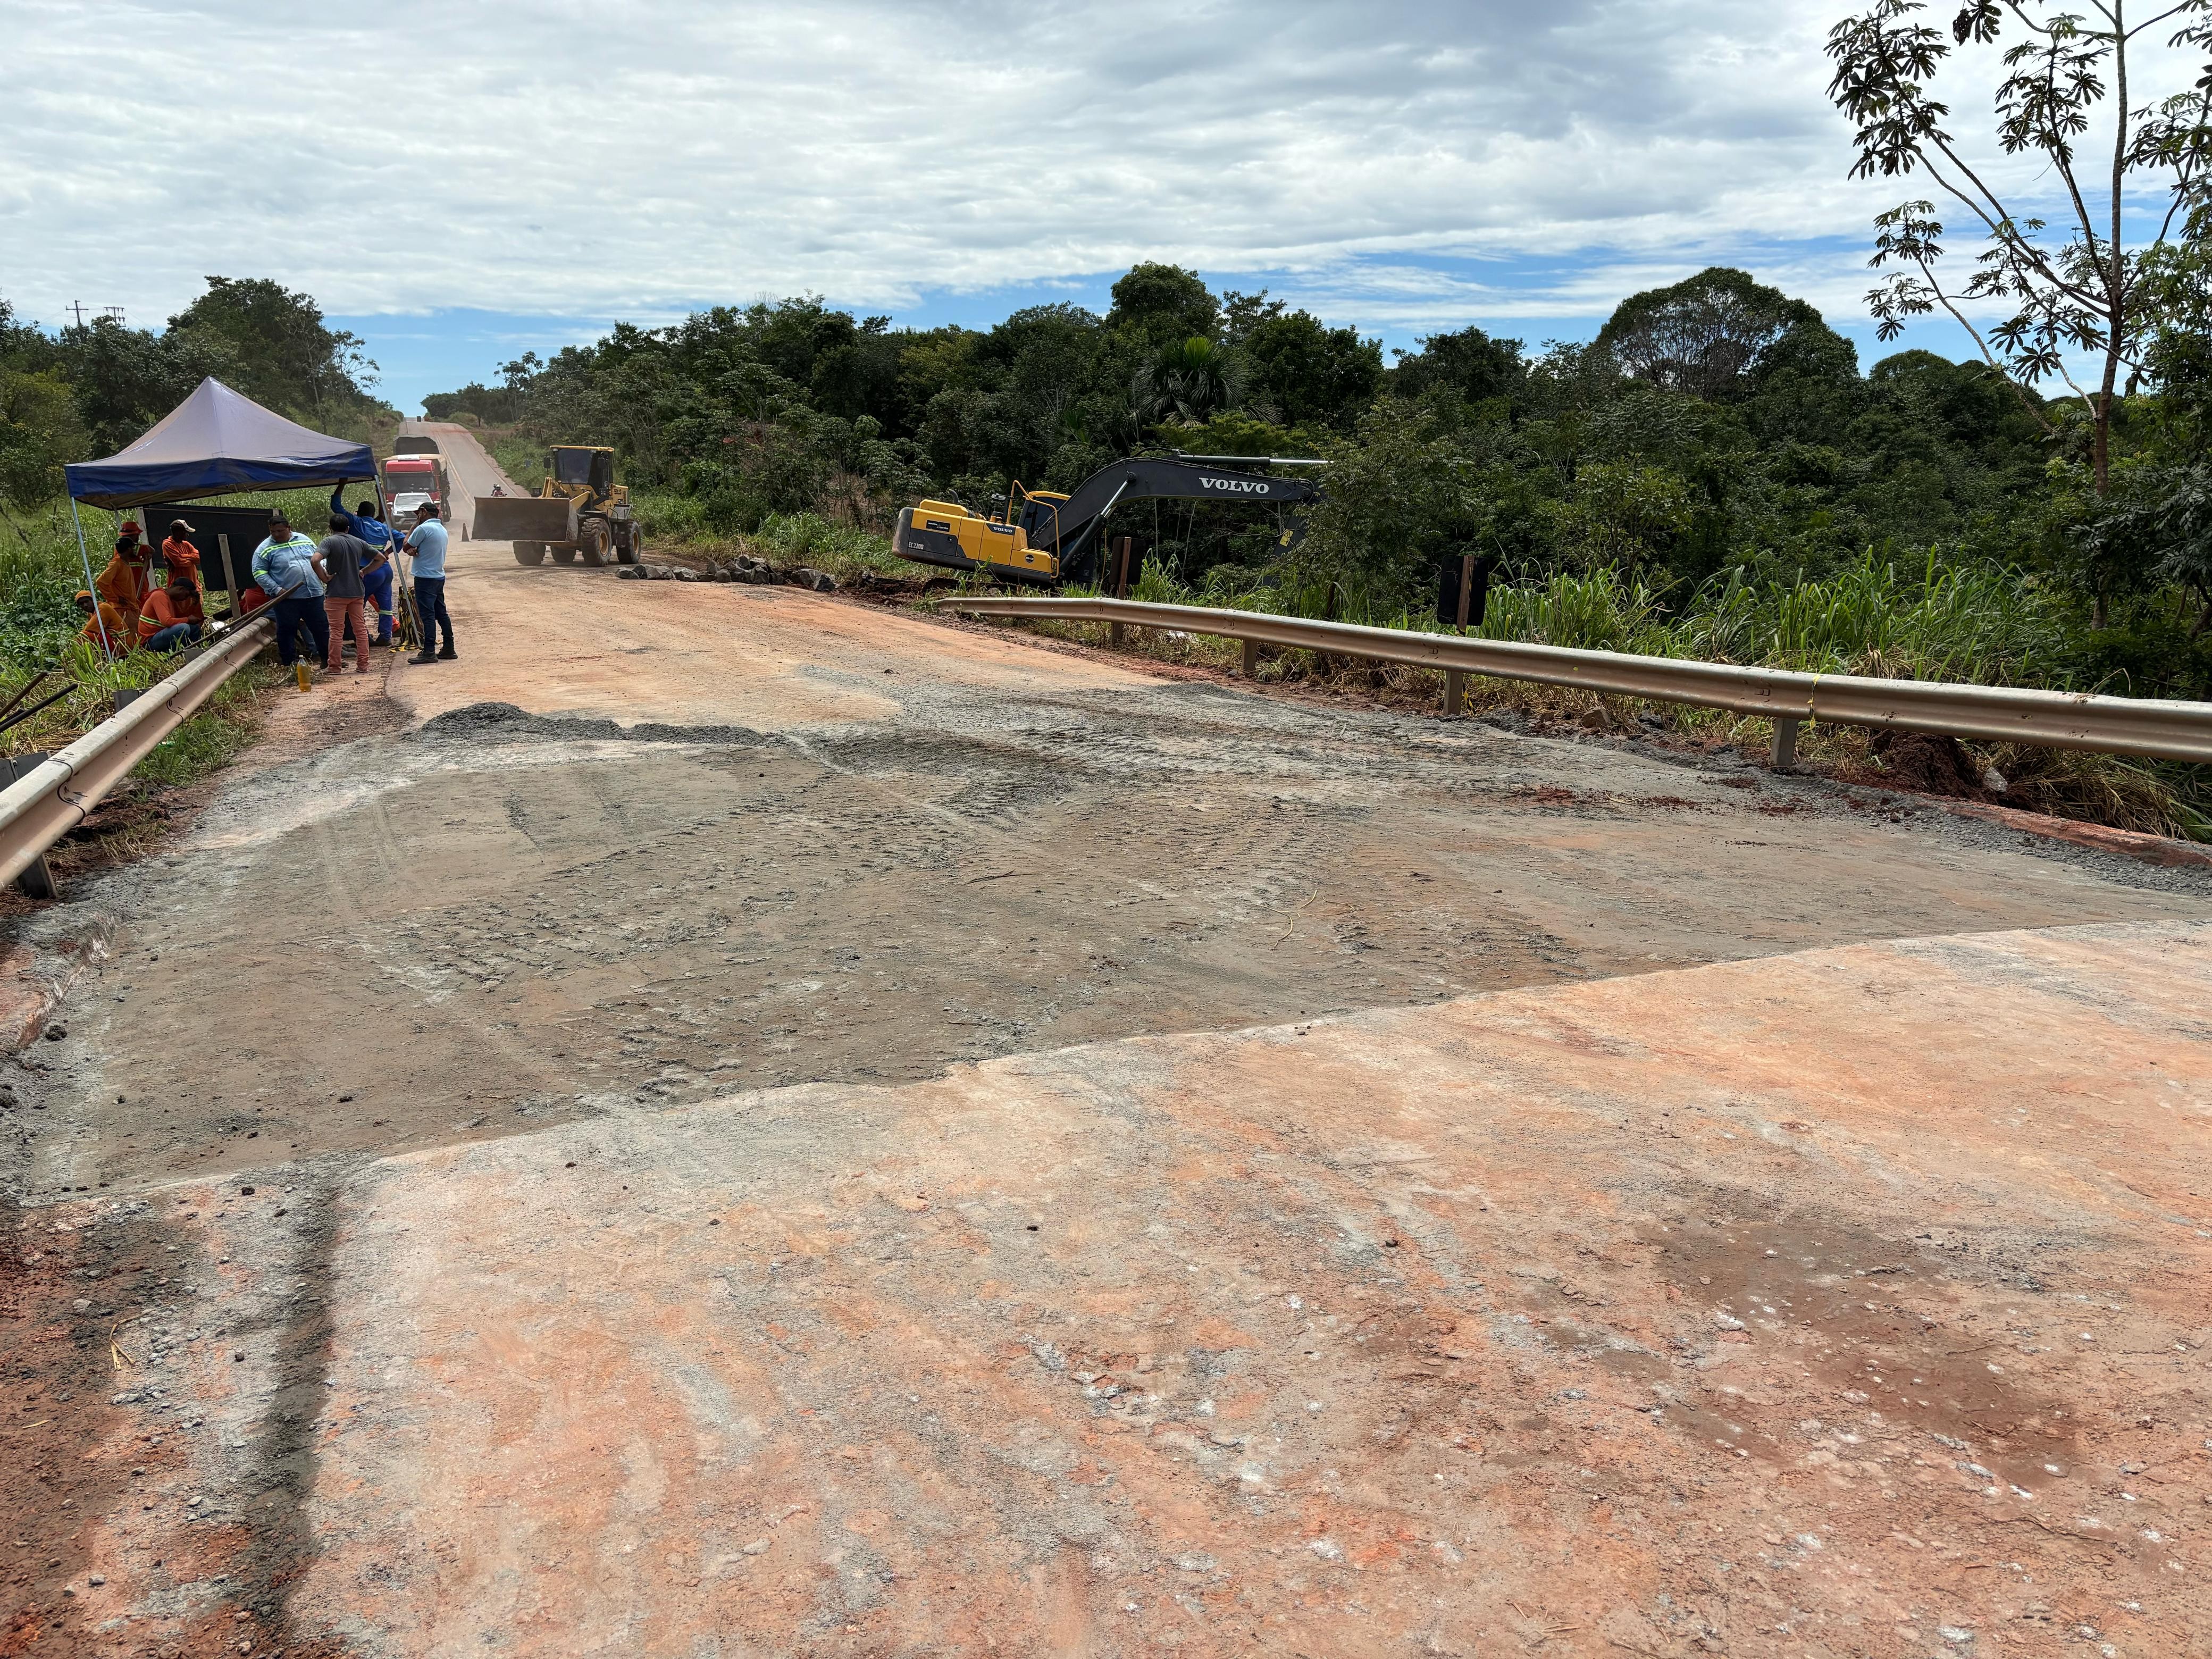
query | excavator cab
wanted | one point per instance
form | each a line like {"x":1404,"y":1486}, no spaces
{"x":1039,"y":517}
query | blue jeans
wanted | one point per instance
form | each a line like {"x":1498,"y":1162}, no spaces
{"x":297,"y":612}
{"x":175,"y":635}
{"x":430,"y":610}
{"x":378,"y":588}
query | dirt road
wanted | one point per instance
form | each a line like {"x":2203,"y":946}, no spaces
{"x":653,"y":845}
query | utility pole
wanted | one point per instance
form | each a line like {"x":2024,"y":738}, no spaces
{"x":113,"y":313}
{"x":77,"y":306}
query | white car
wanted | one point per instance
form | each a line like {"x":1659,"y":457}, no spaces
{"x":403,"y":508}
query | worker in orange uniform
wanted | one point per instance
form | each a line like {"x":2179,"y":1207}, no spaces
{"x":129,"y":577}
{"x":106,"y":627}
{"x":177,"y":552}
{"x":173,"y":617}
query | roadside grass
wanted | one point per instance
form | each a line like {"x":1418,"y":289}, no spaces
{"x":843,"y":550}
{"x":215,"y":735}
{"x":1875,"y":619}
{"x":678,"y":523}
{"x":521,"y":458}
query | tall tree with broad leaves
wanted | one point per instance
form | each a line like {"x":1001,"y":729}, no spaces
{"x":2116,"y":161}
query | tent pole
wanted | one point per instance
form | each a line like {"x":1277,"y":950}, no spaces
{"x":99,"y":622}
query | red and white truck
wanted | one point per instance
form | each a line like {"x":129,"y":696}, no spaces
{"x":411,"y":480}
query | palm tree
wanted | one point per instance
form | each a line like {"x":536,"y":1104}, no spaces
{"x":1193,"y":381}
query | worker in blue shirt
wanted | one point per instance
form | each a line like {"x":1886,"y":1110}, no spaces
{"x":376,"y":579}
{"x":427,"y":543}
{"x":284,"y":564}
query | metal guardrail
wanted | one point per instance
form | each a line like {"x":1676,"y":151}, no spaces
{"x":39,"y":810}
{"x":1989,"y":714}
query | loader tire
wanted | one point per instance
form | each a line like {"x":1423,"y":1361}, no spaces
{"x":591,"y":542}
{"x":627,"y":551}
{"x":563,"y":554}
{"x":530,"y":552}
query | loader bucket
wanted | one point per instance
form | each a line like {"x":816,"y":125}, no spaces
{"x":523,"y":519}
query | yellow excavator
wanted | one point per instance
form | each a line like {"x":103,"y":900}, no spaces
{"x":580,"y":512}
{"x":1046,"y":538}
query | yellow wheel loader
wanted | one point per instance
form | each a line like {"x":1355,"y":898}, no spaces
{"x":580,"y":512}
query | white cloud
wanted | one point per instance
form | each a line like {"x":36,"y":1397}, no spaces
{"x":590,"y":160}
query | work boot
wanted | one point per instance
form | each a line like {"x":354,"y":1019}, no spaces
{"x":448,"y":654}
{"x":422,"y":657}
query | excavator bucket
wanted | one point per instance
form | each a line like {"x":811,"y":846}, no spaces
{"x":523,"y":519}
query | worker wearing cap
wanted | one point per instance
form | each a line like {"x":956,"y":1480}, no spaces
{"x":128,"y":578}
{"x":426,"y":543}
{"x":178,"y":552}
{"x":104,"y":626}
{"x":284,"y":560}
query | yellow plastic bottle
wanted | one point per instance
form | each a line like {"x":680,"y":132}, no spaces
{"x":300,"y":669}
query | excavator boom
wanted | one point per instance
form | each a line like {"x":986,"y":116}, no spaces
{"x":1064,"y":527}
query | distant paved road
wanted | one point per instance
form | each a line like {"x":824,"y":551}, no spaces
{"x":468,"y":465}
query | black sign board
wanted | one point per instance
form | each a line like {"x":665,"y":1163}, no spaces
{"x":1471,"y":574}
{"x":238,"y":530}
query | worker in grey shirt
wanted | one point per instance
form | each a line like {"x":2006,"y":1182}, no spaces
{"x":340,"y":558}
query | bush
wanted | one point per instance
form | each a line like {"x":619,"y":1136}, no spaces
{"x":842,"y":549}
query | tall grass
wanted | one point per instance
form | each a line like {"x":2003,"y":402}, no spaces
{"x":1987,"y":626}
{"x":841,"y":548}
{"x":674,"y":519}
{"x":1604,"y":611}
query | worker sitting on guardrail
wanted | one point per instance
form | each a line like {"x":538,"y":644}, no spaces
{"x":173,"y":617}
{"x":104,"y":626}
{"x":287,"y":559}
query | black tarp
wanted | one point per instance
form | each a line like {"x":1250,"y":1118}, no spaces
{"x":215,"y":442}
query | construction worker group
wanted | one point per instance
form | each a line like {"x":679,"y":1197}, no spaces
{"x":321,"y":591}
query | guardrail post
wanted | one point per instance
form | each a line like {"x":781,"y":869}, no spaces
{"x":1455,"y":692}
{"x":37,"y":881}
{"x":1251,"y":659}
{"x":1116,"y":632}
{"x":1785,"y":745}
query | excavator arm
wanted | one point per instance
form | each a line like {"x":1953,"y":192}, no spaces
{"x":1064,"y":527}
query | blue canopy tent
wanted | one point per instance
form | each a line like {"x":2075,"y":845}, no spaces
{"x":215,"y":442}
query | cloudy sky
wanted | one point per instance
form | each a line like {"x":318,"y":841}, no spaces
{"x":461,"y":179}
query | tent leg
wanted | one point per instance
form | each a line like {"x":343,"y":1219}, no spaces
{"x":86,"y":558}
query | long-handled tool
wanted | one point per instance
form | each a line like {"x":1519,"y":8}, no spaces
{"x":30,"y":686}
{"x":44,"y":703}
